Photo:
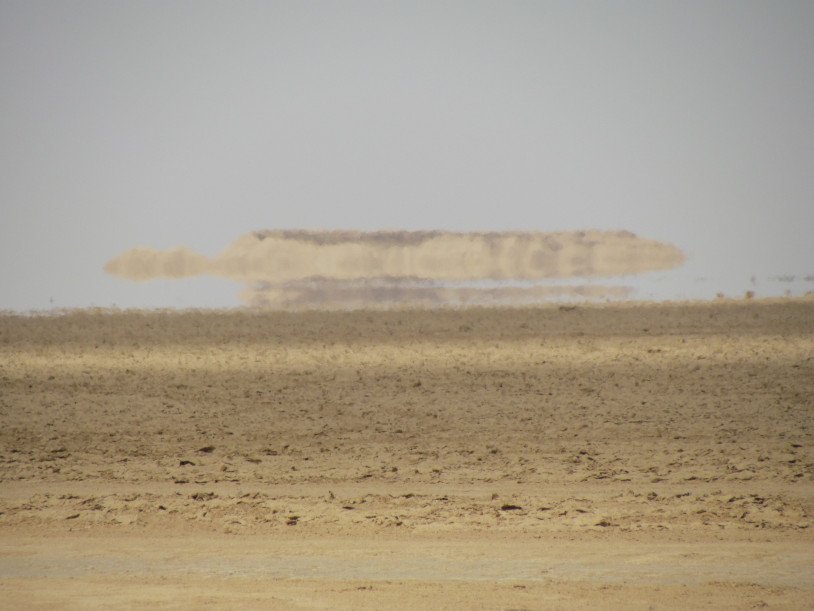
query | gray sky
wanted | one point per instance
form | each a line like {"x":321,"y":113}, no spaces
{"x":157,"y":123}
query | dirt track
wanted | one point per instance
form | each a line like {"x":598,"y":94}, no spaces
{"x":557,"y":457}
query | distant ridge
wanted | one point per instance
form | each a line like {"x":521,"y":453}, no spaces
{"x":268,"y":261}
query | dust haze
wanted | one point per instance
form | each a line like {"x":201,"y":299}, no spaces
{"x":296,"y":268}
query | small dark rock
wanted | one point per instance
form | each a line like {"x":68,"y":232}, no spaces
{"x":203,"y":496}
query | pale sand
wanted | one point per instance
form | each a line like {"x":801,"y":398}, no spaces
{"x":619,"y":456}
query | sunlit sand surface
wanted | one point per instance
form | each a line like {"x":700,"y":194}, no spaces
{"x":558,"y":457}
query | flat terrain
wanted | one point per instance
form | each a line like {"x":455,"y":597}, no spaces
{"x":633,"y":456}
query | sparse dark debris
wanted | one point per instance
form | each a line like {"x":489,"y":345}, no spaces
{"x":203,"y":496}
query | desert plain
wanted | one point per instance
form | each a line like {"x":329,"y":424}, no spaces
{"x":603,"y":456}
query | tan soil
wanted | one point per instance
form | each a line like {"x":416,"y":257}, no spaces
{"x":618,"y":456}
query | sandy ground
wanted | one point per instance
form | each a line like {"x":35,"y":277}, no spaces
{"x":631,"y":456}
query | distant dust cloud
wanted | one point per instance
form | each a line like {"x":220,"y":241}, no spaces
{"x":300,"y":268}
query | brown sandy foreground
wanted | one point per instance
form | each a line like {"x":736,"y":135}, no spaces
{"x":631,"y":456}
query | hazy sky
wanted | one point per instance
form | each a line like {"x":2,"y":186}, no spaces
{"x":166,"y":123}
